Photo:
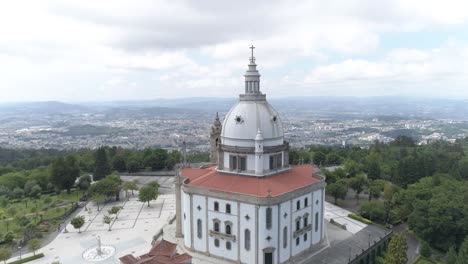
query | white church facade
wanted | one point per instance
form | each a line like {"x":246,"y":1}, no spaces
{"x":250,"y":206}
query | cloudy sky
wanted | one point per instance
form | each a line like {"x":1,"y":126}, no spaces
{"x":119,"y":50}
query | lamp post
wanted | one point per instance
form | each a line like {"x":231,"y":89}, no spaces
{"x":20,"y":251}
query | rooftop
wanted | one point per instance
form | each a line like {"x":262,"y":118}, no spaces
{"x":297,"y":177}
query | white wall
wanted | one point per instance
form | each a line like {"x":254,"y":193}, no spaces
{"x":186,"y":218}
{"x":303,"y":245}
{"x":263,"y":232}
{"x":285,"y":210}
{"x":222,"y":216}
{"x":199,"y":243}
{"x":247,"y":256}
{"x":317,"y":208}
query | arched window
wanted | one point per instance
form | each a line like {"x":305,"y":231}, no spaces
{"x":269,"y":218}
{"x":228,"y":245}
{"x":285,"y":237}
{"x":306,"y":220}
{"x":199,"y":228}
{"x":298,"y":205}
{"x":216,"y":206}
{"x":298,"y":224}
{"x":305,"y":237}
{"x":306,"y":202}
{"x":216,"y":242}
{"x":316,"y":222}
{"x":247,"y":239}
{"x":216,"y":226}
{"x":228,"y":208}
{"x":228,"y":229}
{"x":297,"y":241}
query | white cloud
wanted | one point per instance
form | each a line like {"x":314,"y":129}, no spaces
{"x":49,"y":49}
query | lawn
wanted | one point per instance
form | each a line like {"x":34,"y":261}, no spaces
{"x":48,"y":206}
{"x":423,"y":260}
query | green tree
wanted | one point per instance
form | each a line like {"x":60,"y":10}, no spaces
{"x":133,"y":165}
{"x":34,"y":244}
{"x":109,"y":186}
{"x":463,"y":252}
{"x":35,"y":192}
{"x":373,"y":167}
{"x":396,"y":252}
{"x":375,"y":190}
{"x":451,"y":256}
{"x":425,"y":249}
{"x":78,"y":222}
{"x":64,"y":172}
{"x":373,"y":211}
{"x":319,"y":158}
{"x":98,"y":199}
{"x":84,"y":182}
{"x":358,"y":183}
{"x":129,"y":186}
{"x":5,"y":254}
{"x":338,"y":190}
{"x":102,"y":167}
{"x":147,"y":194}
{"x":115,"y":211}
{"x":156,"y":159}
{"x":119,"y":163}
{"x":107,"y":219}
{"x":352,"y":168}
{"x":17,"y":193}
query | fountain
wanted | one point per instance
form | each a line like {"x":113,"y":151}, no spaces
{"x":99,"y":254}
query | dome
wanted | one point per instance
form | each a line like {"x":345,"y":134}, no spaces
{"x":246,"y":118}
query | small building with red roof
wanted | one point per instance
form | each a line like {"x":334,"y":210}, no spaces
{"x":250,"y":205}
{"x":162,"y":252}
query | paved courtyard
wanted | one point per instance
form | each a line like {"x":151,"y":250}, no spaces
{"x":131,"y":233}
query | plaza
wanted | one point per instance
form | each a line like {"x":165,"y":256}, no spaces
{"x":131,"y":233}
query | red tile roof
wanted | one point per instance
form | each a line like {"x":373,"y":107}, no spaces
{"x":297,"y":177}
{"x":162,"y":252}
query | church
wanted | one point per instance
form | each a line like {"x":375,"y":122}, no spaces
{"x":250,"y":205}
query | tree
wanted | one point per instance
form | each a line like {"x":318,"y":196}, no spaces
{"x":463,"y":252}
{"x":107,"y":219}
{"x":352,"y":168}
{"x":358,"y":183}
{"x":147,"y":194}
{"x":114,"y":211}
{"x":5,"y":254}
{"x":337,"y":190}
{"x":98,"y":199}
{"x":451,"y":256}
{"x":102,"y":167}
{"x":34,"y":244}
{"x":35,"y":192}
{"x":133,"y":165}
{"x":78,"y":222}
{"x":156,"y":159}
{"x":319,"y":158}
{"x":129,"y":186}
{"x":64,"y":172}
{"x":375,"y":190}
{"x":17,"y":193}
{"x":84,"y":182}
{"x":109,"y":186}
{"x":373,"y":167}
{"x":425,"y":250}
{"x":373,"y":211}
{"x":396,"y":252}
{"x":119,"y":163}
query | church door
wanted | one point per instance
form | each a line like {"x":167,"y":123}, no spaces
{"x":268,"y":258}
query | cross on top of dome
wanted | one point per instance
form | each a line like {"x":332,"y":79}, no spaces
{"x":252,"y":58}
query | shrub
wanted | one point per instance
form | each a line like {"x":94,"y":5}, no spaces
{"x":360,"y":219}
{"x":24,"y":260}
{"x":8,"y":237}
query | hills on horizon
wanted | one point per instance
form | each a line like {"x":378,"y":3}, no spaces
{"x":456,"y":109}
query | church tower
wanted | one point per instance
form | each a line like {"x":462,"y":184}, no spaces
{"x":215,"y":139}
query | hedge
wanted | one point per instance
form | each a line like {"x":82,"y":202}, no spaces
{"x":24,"y":260}
{"x":360,"y":219}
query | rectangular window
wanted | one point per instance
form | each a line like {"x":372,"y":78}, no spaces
{"x":272,"y":163}
{"x":306,"y":202}
{"x":306,"y":221}
{"x":242,"y":163}
{"x":297,"y":241}
{"x":298,"y":205}
{"x":199,"y":228}
{"x":268,"y":218}
{"x":298,"y":225}
{"x":316,"y":222}
{"x":233,"y":162}
{"x":305,"y":237}
{"x":228,"y":208}
{"x":279,"y":161}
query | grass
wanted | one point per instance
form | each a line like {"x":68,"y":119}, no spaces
{"x":49,"y":206}
{"x":424,"y":260}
